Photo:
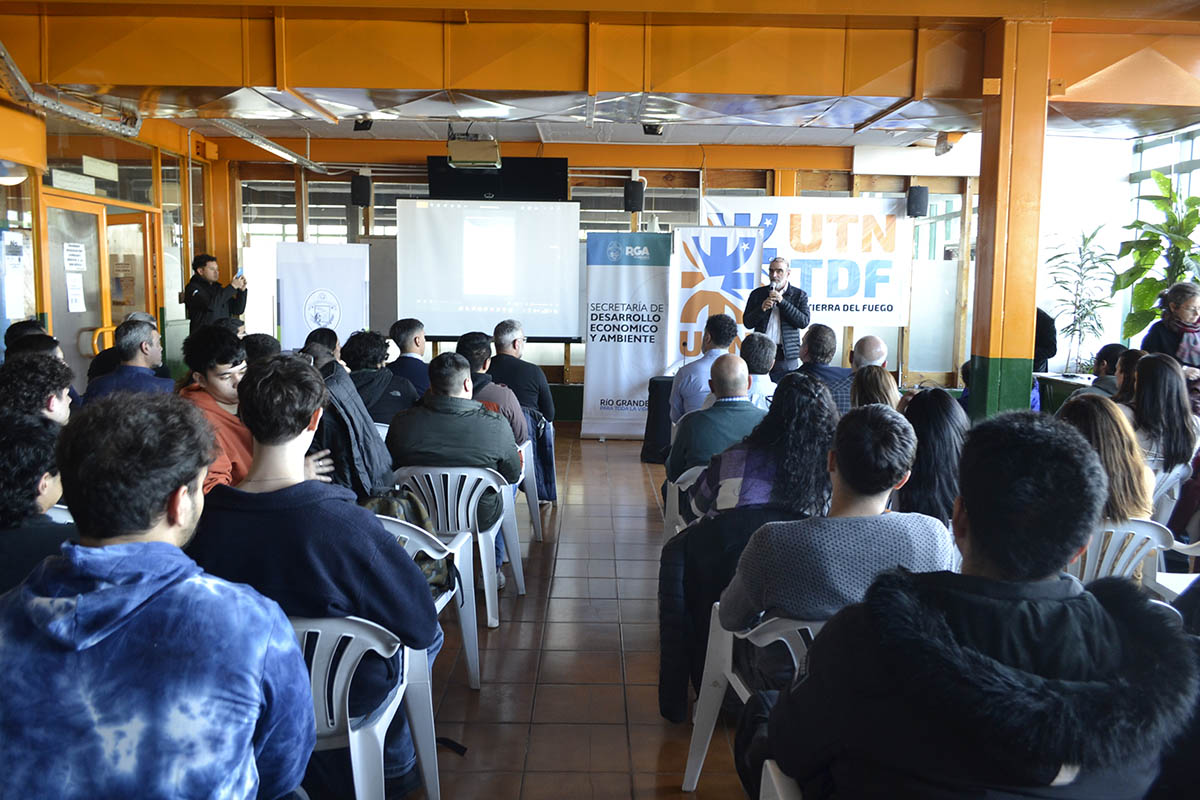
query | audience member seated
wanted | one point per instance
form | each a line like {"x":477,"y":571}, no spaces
{"x":1104,"y":368}
{"x":528,"y":383}
{"x":1177,"y":334}
{"x":817,"y":350}
{"x":869,"y":351}
{"x":940,"y":425}
{"x":35,"y":344}
{"x":476,"y":348}
{"x":409,"y":336}
{"x":810,"y":569}
{"x":873,"y":384}
{"x":131,"y":672}
{"x":36,"y":384}
{"x":449,"y":429}
{"x":260,"y":347}
{"x":20,"y":329}
{"x":706,"y":432}
{"x":1010,"y":679}
{"x":217,"y":362}
{"x":139,"y":349}
{"x":782,"y":462}
{"x":1126,"y":376}
{"x":690,"y":385}
{"x":347,"y":444}
{"x":108,"y":360}
{"x":327,"y":338}
{"x":383,"y":392}
{"x":232,"y":324}
{"x":1162,"y":419}
{"x":310,"y":548}
{"x":29,"y":485}
{"x":1108,"y":431}
{"x":759,"y":354}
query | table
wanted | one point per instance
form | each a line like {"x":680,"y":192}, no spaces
{"x":657,"y":439}
{"x":1055,"y":388}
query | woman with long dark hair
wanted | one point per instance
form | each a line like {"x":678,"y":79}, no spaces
{"x":784,"y":460}
{"x":1126,"y":367}
{"x":941,"y":426}
{"x":1130,"y":480}
{"x":1161,"y":415}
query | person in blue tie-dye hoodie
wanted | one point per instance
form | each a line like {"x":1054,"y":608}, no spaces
{"x":129,"y":671}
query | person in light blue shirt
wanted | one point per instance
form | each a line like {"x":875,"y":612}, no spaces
{"x":138,"y":345}
{"x":129,"y":671}
{"x":690,"y":387}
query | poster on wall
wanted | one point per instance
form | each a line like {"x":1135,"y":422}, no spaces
{"x":713,"y":271}
{"x":626,"y":330}
{"x":851,"y":255}
{"x":321,"y":286}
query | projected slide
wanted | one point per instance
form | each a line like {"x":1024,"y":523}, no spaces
{"x":465,"y":265}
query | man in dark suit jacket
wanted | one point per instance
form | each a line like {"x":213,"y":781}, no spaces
{"x":817,"y":350}
{"x":409,"y":336}
{"x":779,"y":311}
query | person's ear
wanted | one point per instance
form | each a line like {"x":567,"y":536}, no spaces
{"x":315,"y":419}
{"x":831,"y":464}
{"x":749,"y":382}
{"x":175,"y":505}
{"x":44,"y":484}
{"x":487,"y":364}
{"x":197,"y":378}
{"x":711,"y":387}
{"x":903,"y":481}
{"x":1080,"y":551}
{"x":959,"y":523}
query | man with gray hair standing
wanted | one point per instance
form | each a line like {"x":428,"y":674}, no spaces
{"x":779,"y":310}
{"x":139,"y":350}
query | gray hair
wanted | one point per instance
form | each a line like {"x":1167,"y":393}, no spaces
{"x":506,"y":332}
{"x":129,"y":337}
{"x":141,"y":316}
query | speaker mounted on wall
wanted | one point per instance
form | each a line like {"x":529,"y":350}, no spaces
{"x":360,"y":190}
{"x":918,"y":201}
{"x":635,"y":196}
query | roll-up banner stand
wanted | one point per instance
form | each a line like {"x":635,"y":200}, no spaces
{"x":321,"y":286}
{"x":714,"y":271}
{"x":626,"y":330}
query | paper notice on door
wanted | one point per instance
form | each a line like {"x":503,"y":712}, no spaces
{"x":74,"y":257}
{"x":75,"y":299}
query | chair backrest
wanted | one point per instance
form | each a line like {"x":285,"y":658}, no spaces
{"x":60,"y":513}
{"x":413,"y":539}
{"x":451,"y":494}
{"x":789,"y":631}
{"x":333,"y":648}
{"x":1165,"y":492}
{"x":672,"y":520}
{"x":382,"y":428}
{"x":1117,"y":547}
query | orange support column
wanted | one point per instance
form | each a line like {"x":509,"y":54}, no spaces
{"x":1016,"y":72}
{"x":222,"y":235}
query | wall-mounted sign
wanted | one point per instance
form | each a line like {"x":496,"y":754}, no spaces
{"x":71,"y":182}
{"x":98,"y":168}
{"x":74,"y":257}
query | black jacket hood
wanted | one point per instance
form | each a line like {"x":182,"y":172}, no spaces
{"x":372,"y":384}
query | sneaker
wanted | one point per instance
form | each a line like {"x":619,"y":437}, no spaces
{"x":501,"y":581}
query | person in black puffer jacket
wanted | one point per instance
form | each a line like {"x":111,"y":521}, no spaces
{"x":383,"y":392}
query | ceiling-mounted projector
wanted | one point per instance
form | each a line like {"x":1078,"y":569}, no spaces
{"x":473,"y":153}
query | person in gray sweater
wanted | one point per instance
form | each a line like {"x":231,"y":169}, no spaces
{"x":811,"y":568}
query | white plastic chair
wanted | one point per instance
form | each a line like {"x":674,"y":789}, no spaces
{"x":452,"y":494}
{"x":1118,"y":547}
{"x":528,"y":482}
{"x":415,"y":540}
{"x":672,"y":520}
{"x":331,"y":669}
{"x":776,"y":785}
{"x":382,"y":428}
{"x":719,"y":675}
{"x":1166,"y":492}
{"x":60,"y":513}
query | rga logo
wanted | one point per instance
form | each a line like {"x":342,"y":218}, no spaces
{"x":322,"y":309}
{"x":637,"y":252}
{"x":614,"y":252}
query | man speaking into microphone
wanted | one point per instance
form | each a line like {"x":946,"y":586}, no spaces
{"x":778,"y":311}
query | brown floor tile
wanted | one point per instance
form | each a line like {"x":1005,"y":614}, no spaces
{"x":637,"y":588}
{"x":591,"y":549}
{"x":511,"y":635}
{"x":639,"y":610}
{"x":565,"y":666}
{"x":641,"y":705}
{"x":597,"y":588}
{"x":478,"y":785}
{"x":578,"y":748}
{"x":641,"y":667}
{"x":582,"y":636}
{"x":500,"y":666}
{"x":514,"y":609}
{"x":664,"y":748}
{"x":668,"y":786}
{"x":557,"y":703}
{"x":490,"y":747}
{"x":563,"y":609}
{"x":636,"y":569}
{"x":577,"y":786}
{"x":639,"y":636}
{"x":638,"y":552}
{"x":493,"y":702}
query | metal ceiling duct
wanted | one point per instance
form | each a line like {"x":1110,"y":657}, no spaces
{"x":242,"y":132}
{"x":16,"y":85}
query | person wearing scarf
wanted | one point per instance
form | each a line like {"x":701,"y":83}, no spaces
{"x":1178,"y":332}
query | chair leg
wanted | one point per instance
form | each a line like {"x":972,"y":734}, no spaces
{"x":717,"y":663}
{"x":529,"y":485}
{"x":366,"y":760}
{"x":491,"y":592}
{"x":466,"y":615}
{"x":418,"y":708}
{"x":508,"y":529}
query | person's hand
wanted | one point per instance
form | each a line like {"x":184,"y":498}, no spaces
{"x":774,"y":296}
{"x":239,"y":282}
{"x":317,"y":467}
{"x":1191,"y":373}
{"x":906,"y":399}
{"x":768,"y":304}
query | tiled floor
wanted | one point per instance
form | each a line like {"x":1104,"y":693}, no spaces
{"x":569,"y":702}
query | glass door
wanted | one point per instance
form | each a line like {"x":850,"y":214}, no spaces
{"x":77,"y":253}
{"x":131,"y":283}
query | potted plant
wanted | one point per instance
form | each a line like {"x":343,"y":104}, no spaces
{"x":1082,"y":273}
{"x":1169,"y":242}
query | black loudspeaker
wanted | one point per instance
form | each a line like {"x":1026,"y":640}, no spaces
{"x":918,"y":201}
{"x":635,"y":196}
{"x":360,"y":190}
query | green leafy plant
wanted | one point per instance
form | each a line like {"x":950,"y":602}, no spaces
{"x":1169,"y":242}
{"x":1082,"y":274}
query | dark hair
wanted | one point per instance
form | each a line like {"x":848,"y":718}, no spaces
{"x":758,"y":351}
{"x":231,"y":324}
{"x":32,"y":344}
{"x":1177,"y":294}
{"x":1032,"y":489}
{"x":721,"y":329}
{"x":201,"y":261}
{"x":1111,"y":435}
{"x":941,"y":426}
{"x":1109,"y":354}
{"x":277,"y":398}
{"x":26,"y":382}
{"x":365,"y":350}
{"x":447,"y":371}
{"x":319,"y":353}
{"x":130,"y":336}
{"x":211,"y":345}
{"x":26,"y":454}
{"x":123,"y":456}
{"x":965,"y":372}
{"x":874,"y":446}
{"x":23,"y":328}
{"x":1127,"y":366}
{"x":798,"y":431}
{"x":403,"y":331}
{"x":821,"y":342}
{"x":260,"y":346}
{"x":1161,"y":409}
{"x":326,"y":337}
{"x":476,"y":348}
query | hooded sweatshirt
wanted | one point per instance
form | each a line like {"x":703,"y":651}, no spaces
{"x":235,"y":445}
{"x":384,"y":393}
{"x":131,"y":673}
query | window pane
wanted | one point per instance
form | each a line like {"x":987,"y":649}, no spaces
{"x":87,"y":161}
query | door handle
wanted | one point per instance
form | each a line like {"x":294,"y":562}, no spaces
{"x":96,"y":334}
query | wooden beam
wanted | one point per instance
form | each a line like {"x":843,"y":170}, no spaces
{"x":962,"y":292}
